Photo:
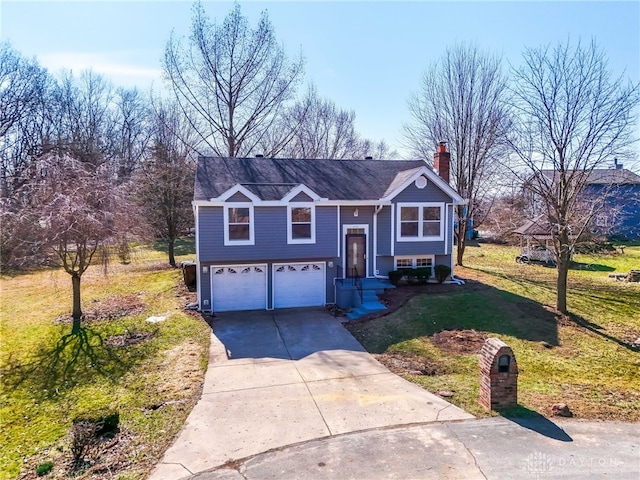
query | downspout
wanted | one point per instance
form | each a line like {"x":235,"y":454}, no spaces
{"x":338,"y":255}
{"x":196,"y":212}
{"x":446,"y":229}
{"x":393,"y":230}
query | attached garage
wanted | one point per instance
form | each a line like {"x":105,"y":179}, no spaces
{"x":299,"y":284}
{"x":239,"y":287}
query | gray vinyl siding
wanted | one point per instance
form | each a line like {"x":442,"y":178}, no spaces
{"x":384,"y":265}
{"x":302,"y":197}
{"x":270,"y":235}
{"x":384,"y":231}
{"x":431,"y":247}
{"x":238,"y":197}
{"x":430,"y":193}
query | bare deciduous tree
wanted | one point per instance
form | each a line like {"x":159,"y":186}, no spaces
{"x":130,"y":134}
{"x":322,"y":130}
{"x":74,"y":211}
{"x":164,"y":180}
{"x":82,"y":111}
{"x":231,"y":81}
{"x":573,"y":118}
{"x":23,"y":89}
{"x":462,"y":101}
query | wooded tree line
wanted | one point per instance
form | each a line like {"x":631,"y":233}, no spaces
{"x":84,"y":164}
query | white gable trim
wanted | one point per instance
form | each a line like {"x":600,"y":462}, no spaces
{"x":434,"y":178}
{"x":302,"y":188}
{"x":237,"y":188}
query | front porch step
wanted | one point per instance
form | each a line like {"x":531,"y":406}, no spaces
{"x":367,"y":307}
{"x":369,"y":302}
{"x":376,"y":284}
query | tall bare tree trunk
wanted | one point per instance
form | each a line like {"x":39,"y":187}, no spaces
{"x":561,"y":284}
{"x":462,"y":234}
{"x":171,"y":248}
{"x":77,"y":308}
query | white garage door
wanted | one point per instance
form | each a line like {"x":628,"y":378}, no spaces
{"x":298,"y":285}
{"x":239,"y":287}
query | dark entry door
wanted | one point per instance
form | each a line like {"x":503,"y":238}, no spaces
{"x":356,"y":255}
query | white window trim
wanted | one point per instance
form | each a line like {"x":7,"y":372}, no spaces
{"x":414,"y":259}
{"x":346,"y":228}
{"x":290,"y":239}
{"x":227,"y":240}
{"x":420,"y":237}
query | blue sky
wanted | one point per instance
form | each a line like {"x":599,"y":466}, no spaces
{"x":365,"y":56}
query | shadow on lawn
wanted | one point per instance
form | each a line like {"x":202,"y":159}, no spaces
{"x":598,"y":330}
{"x":76,"y":358}
{"x":474,"y":306}
{"x":591,"y":267}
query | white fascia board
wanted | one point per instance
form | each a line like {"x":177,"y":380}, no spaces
{"x":433,"y":177}
{"x":302,"y":188}
{"x":278,"y":203}
{"x":218,"y":203}
{"x":355,"y":203}
{"x":237,"y":188}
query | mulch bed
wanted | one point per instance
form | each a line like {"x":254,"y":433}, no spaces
{"x":458,"y":342}
{"x":402,"y":363}
{"x":110,"y":308}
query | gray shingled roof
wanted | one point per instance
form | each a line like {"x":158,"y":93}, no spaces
{"x":606,"y":176}
{"x":536,"y":227}
{"x":273,"y":178}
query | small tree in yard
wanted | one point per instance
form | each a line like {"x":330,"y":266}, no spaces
{"x":574,"y":117}
{"x":165,"y":193}
{"x":164,"y":181}
{"x":74,"y":212}
{"x":462,"y":100}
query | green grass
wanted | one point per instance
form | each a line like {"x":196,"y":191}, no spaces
{"x":586,"y":360}
{"x":50,"y":376}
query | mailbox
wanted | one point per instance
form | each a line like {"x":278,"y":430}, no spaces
{"x":498,"y":375}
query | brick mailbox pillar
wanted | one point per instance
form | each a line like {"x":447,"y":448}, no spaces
{"x":498,"y":375}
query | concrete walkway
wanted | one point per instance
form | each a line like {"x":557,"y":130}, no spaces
{"x":285,"y":377}
{"x":479,"y":449}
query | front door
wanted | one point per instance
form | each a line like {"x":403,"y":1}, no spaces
{"x":356,"y":255}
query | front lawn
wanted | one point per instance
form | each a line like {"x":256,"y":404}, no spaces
{"x":145,"y":376}
{"x":589,"y":360}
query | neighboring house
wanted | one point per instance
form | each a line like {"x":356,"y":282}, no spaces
{"x":620,"y":189}
{"x":615,"y":192}
{"x":277,"y":233}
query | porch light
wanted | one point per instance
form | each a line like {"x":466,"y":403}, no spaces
{"x":355,"y":212}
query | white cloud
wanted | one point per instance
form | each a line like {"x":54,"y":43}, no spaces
{"x":118,"y":67}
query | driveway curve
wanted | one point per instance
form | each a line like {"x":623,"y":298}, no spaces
{"x":288,"y":376}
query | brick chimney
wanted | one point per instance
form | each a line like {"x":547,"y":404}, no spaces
{"x":441,"y":160}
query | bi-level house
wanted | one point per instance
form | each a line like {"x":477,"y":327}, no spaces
{"x":278,"y":233}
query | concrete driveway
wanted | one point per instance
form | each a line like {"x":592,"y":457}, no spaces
{"x":283,"y":377}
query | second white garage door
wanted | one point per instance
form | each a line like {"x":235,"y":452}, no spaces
{"x":299,"y":285}
{"x":239,"y":287}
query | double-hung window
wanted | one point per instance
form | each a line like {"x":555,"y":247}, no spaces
{"x":301,"y":226}
{"x":420,"y":222}
{"x":238,"y":224}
